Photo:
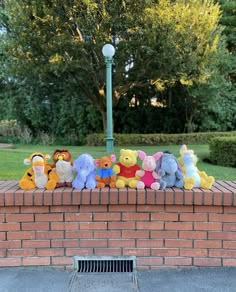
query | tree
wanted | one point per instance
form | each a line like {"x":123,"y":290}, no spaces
{"x":54,"y":50}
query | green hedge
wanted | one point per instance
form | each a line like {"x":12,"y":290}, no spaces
{"x":156,"y":139}
{"x":223,"y":151}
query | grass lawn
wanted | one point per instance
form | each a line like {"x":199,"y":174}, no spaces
{"x":13,"y":168}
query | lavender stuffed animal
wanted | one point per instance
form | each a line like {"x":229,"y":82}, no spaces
{"x":85,"y":169}
{"x":170,"y":171}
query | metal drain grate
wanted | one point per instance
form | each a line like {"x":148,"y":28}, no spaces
{"x":105,"y":264}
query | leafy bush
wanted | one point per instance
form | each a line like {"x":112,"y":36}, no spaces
{"x":223,"y":151}
{"x":156,"y":139}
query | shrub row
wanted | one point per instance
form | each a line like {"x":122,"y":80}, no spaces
{"x":157,"y":139}
{"x":223,"y":151}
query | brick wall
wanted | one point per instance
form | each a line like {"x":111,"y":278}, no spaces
{"x":163,"y":229}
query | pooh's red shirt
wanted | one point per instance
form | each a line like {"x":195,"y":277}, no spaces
{"x":128,"y":172}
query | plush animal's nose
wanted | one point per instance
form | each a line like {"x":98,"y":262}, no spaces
{"x":106,"y":165}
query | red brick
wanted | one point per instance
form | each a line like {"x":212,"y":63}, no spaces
{"x":132,"y":196}
{"x":113,"y":196}
{"x":49,"y":234}
{"x":150,"y":208}
{"x":207,"y":243}
{"x":149,"y":261}
{"x":160,"y":198}
{"x":135,"y":216}
{"x":193,"y":234}
{"x":178,"y":261}
{"x":222,"y":217}
{"x":135,"y":234}
{"x":162,"y":252}
{"x":228,"y":199}
{"x":93,"y":208}
{"x":226,"y":253}
{"x":193,"y":217}
{"x":9,"y":210}
{"x":123,"y":196}
{"x":179,"y":197}
{"x":66,"y":196}
{"x":19,"y":217}
{"x":229,"y":244}
{"x":76,"y":197}
{"x":47,"y":198}
{"x":57,"y":197}
{"x":179,"y":209}
{"x":48,"y":217}
{"x":21,"y":252}
{"x":79,"y":234}
{"x":229,"y":262}
{"x":62,"y":261}
{"x":149,"y":243}
{"x":229,"y":209}
{"x":11,"y":235}
{"x":107,"y":251}
{"x":178,"y":225}
{"x":122,"y":208}
{"x":169,"y":197}
{"x":78,"y":217}
{"x":164,"y":216}
{"x":188,"y":197}
{"x":222,"y":235}
{"x":197,"y":196}
{"x":2,"y":235}
{"x":10,"y":244}
{"x":93,"y":243}
{"x":28,"y":198}
{"x":207,"y":226}
{"x":106,"y":216}
{"x":104,"y":198}
{"x":150,"y":225}
{"x":10,"y":262}
{"x":9,"y":226}
{"x":9,"y":199}
{"x":2,"y":218}
{"x":95,"y":196}
{"x":208,"y":198}
{"x":107,"y":234}
{"x":3,"y":253}
{"x":65,"y":242}
{"x":36,"y":261}
{"x":217,"y":198}
{"x":35,"y":243}
{"x":42,"y":252}
{"x":19,"y":199}
{"x":150,"y":197}
{"x":121,"y":243}
{"x":186,"y":252}
{"x":121,"y":225}
{"x":79,"y":251}
{"x":34,"y":209}
{"x":35,"y":226}
{"x":93,"y":225}
{"x":64,"y":226}
{"x":141,"y":196}
{"x":38,"y":197}
{"x":208,"y":209}
{"x":164,"y":234}
{"x":209,"y":262}
{"x":136,"y":252}
{"x":178,"y":243}
{"x":63,"y":209}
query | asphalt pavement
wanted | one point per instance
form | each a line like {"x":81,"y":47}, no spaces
{"x":174,"y":280}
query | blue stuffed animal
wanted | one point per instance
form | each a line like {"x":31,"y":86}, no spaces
{"x":170,"y":171}
{"x":85,"y":169}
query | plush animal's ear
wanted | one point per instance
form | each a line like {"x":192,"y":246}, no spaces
{"x":141,"y":154}
{"x":157,"y":155}
{"x":178,"y":164}
{"x":96,"y":162}
{"x":183,"y":149}
{"x":27,"y":161}
{"x":47,"y":156}
{"x":112,"y":157}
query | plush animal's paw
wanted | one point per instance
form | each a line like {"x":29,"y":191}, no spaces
{"x":51,"y":184}
{"x":140,"y":185}
{"x":207,"y":183}
{"x":100,"y":185}
{"x":179,"y":184}
{"x":189,"y":183}
{"x":155,"y":186}
{"x":120,"y":184}
{"x":133,"y":183}
{"x":116,"y":169}
{"x":26,"y":184}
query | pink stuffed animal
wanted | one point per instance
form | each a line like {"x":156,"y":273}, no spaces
{"x":148,"y":174}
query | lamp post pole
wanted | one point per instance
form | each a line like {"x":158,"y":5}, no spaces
{"x":108,"y":52}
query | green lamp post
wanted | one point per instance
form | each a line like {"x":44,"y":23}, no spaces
{"x":108,"y":52}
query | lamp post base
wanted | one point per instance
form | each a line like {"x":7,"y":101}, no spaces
{"x":110,"y":144}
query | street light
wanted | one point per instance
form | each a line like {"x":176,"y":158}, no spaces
{"x":108,"y":52}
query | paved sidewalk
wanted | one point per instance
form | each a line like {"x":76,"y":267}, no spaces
{"x":180,"y":280}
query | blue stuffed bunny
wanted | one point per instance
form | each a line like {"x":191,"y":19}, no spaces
{"x":85,"y":169}
{"x":170,"y":171}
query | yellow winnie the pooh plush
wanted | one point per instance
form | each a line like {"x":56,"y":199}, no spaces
{"x":126,"y":169}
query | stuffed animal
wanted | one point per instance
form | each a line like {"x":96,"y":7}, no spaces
{"x":192,"y":176}
{"x":63,"y":166}
{"x":126,"y":169}
{"x":85,"y":169}
{"x":148,"y":174}
{"x":169,"y":169}
{"x":105,"y":176}
{"x":40,"y":174}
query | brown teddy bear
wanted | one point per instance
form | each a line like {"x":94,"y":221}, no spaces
{"x":105,"y":176}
